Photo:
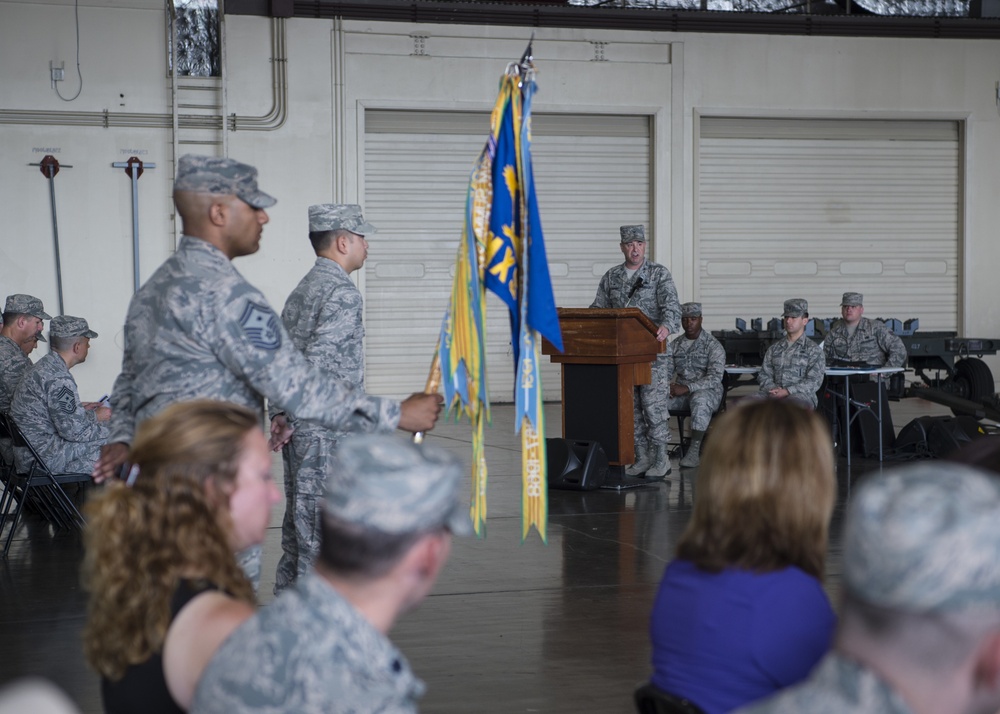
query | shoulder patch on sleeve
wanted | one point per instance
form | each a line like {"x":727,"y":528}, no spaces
{"x":65,"y":400}
{"x":260,"y":325}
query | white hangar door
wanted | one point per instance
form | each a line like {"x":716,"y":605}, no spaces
{"x":592,"y":174}
{"x":815,"y":208}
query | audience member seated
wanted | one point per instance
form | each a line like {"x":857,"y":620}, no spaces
{"x":322,"y":646}
{"x":919,"y":627}
{"x":160,"y":564}
{"x":741,"y":612}
{"x":20,"y":334}
{"x":697,"y":365}
{"x":793,"y":367}
{"x":46,"y":406}
{"x":22,"y":328}
{"x":855,"y":339}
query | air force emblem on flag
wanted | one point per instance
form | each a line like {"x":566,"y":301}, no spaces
{"x":65,"y":400}
{"x":261,"y":326}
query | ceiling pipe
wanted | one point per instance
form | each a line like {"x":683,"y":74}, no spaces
{"x":274,"y":119}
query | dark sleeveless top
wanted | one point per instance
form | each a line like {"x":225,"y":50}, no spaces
{"x":143,"y":688}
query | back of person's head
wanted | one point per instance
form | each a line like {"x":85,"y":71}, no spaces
{"x":921,"y":572}
{"x":172,"y":523}
{"x":382,"y":496}
{"x":983,"y":453}
{"x":765,"y":491}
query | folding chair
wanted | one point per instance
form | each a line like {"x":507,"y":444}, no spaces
{"x":6,"y":458}
{"x":39,"y":484}
{"x":650,"y":700}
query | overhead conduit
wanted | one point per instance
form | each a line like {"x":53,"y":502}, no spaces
{"x":274,"y":119}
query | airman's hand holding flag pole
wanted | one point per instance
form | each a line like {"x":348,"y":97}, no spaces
{"x":502,"y":250}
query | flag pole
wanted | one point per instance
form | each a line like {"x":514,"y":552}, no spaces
{"x":433,"y":383}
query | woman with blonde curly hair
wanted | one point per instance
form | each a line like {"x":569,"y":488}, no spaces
{"x":160,"y":565}
{"x":741,"y":612}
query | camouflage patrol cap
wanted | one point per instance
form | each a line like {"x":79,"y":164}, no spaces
{"x":852,"y":299}
{"x":21,"y":304}
{"x":69,"y":326}
{"x":219,"y":175}
{"x":632,"y":233}
{"x":925,"y":538}
{"x":397,"y":487}
{"x":691,"y":309}
{"x":339,"y":216}
{"x":796,"y":307}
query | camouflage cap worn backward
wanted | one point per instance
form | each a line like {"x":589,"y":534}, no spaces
{"x":219,"y":175}
{"x":691,"y":309}
{"x":632,"y":233}
{"x":394,"y":486}
{"x":852,"y":299}
{"x":925,"y":538}
{"x":69,"y":326}
{"x":796,"y":307}
{"x":339,"y":216}
{"x":21,"y":304}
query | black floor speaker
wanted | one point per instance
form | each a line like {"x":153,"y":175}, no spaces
{"x":575,"y":465}
{"x":938,"y":436}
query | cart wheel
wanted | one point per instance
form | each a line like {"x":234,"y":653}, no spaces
{"x":973,"y":380}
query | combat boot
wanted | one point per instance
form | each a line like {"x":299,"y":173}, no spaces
{"x":693,"y":455}
{"x":643,"y":462}
{"x":661,"y":464}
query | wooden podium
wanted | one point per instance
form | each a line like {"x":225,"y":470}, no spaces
{"x":606,"y":354}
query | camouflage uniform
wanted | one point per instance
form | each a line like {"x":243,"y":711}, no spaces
{"x":13,"y":364}
{"x":13,"y":361}
{"x":797,"y":366}
{"x":872,"y":343}
{"x":197,"y":328}
{"x":312,"y":650}
{"x":323,"y":316}
{"x":657,"y":298}
{"x":699,"y":365}
{"x":47,"y":408}
{"x":838,"y":685}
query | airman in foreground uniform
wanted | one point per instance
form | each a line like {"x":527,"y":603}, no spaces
{"x":322,"y":646}
{"x":919,"y":629}
{"x":648,"y":286}
{"x":794,"y":366}
{"x":698,"y":364}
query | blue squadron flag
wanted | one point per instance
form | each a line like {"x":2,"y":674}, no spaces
{"x":503,"y":250}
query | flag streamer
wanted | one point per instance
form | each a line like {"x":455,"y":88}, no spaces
{"x":503,"y":250}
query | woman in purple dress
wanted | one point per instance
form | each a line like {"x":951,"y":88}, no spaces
{"x":741,"y":612}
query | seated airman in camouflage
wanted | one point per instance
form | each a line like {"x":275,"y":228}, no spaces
{"x":697,"y":363}
{"x":794,"y":366}
{"x":324,"y":318}
{"x":66,"y":433}
{"x":322,"y":646}
{"x":22,"y":328}
{"x":857,"y":339}
{"x":919,"y":629}
{"x":21,"y":332}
